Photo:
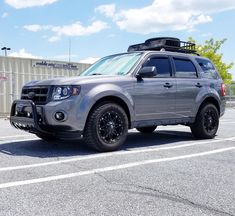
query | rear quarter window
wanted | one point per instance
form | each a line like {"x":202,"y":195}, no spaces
{"x":208,"y":69}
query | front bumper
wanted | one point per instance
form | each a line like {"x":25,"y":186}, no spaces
{"x":25,"y":115}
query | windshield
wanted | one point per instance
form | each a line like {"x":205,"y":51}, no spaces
{"x":113,"y":65}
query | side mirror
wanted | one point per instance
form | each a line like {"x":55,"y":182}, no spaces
{"x":149,"y":71}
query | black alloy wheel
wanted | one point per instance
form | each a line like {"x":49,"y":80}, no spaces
{"x":210,"y":120}
{"x":110,"y":127}
{"x":106,"y":127}
{"x":206,"y":123}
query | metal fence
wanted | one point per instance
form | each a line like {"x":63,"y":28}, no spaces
{"x":230,"y":92}
{"x":15,"y":72}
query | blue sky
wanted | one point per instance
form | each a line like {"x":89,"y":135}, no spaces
{"x":43,"y":28}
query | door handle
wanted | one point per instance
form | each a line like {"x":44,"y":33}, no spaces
{"x":168,"y":85}
{"x":198,"y":85}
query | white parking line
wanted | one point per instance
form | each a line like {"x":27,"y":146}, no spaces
{"x":104,"y":155}
{"x":110,"y":168}
{"x":17,"y":140}
{"x":226,"y":139}
{"x":16,"y":136}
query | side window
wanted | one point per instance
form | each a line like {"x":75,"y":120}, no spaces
{"x":162,"y":65}
{"x":208,"y":69}
{"x":184,"y":68}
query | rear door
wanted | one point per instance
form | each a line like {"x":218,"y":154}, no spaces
{"x":188,"y":86}
{"x":154,"y":97}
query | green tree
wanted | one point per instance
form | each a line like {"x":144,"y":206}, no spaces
{"x":210,"y":49}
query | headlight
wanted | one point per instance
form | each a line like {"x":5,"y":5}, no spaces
{"x":63,"y":92}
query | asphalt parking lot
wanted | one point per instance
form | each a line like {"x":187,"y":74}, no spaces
{"x":165,"y":173}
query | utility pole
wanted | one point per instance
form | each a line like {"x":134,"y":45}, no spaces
{"x":70,"y":71}
{"x":69,"y":50}
{"x":5,"y":49}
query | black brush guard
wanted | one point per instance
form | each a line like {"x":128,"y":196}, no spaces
{"x":34,"y":123}
{"x":28,"y":123}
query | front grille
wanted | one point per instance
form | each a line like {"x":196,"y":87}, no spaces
{"x":38,"y":94}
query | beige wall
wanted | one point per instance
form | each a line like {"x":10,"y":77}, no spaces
{"x":15,"y":72}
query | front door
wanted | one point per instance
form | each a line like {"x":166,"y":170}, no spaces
{"x":154,"y":97}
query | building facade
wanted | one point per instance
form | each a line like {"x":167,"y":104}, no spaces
{"x":15,"y":72}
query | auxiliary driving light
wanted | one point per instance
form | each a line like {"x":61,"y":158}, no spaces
{"x":59,"y":116}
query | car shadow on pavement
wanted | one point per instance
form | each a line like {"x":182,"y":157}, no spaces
{"x":43,"y":149}
{"x":162,"y":137}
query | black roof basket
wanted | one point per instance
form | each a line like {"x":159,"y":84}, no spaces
{"x":164,"y":44}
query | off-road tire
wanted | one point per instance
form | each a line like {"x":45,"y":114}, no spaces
{"x":96,"y":128}
{"x":206,"y":123}
{"x":149,"y":129}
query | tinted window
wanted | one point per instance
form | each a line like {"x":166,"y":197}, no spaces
{"x":120,"y":64}
{"x":185,"y":68}
{"x":207,"y":68}
{"x":162,"y":65}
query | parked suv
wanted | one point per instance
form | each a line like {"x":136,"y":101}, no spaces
{"x":159,"y":82}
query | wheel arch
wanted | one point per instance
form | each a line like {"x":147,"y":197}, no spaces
{"x":210,"y":100}
{"x":116,"y":100}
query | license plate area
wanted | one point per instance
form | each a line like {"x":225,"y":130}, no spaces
{"x":23,"y":110}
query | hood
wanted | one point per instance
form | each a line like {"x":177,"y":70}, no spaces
{"x":75,"y":80}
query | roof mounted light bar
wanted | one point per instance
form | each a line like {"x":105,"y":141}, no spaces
{"x":164,"y":44}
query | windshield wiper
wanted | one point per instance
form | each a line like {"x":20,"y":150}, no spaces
{"x":94,"y":74}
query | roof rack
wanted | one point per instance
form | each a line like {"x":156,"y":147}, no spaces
{"x":165,"y":44}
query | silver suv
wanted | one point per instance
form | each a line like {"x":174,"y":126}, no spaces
{"x":160,"y":82}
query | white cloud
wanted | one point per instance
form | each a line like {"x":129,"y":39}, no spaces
{"x":36,"y":28}
{"x":22,"y":53}
{"x":74,"y":29}
{"x":19,"y":4}
{"x":89,"y":60}
{"x":169,"y":15}
{"x":108,"y":10}
{"x":77,"y":29}
{"x":202,"y":6}
{"x":206,"y":34}
{"x":54,"y":39}
{"x":64,"y":57}
{"x":4,"y":15}
{"x":33,"y":28}
{"x":201,"y":19}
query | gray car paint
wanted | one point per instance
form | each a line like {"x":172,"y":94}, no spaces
{"x":148,"y":101}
